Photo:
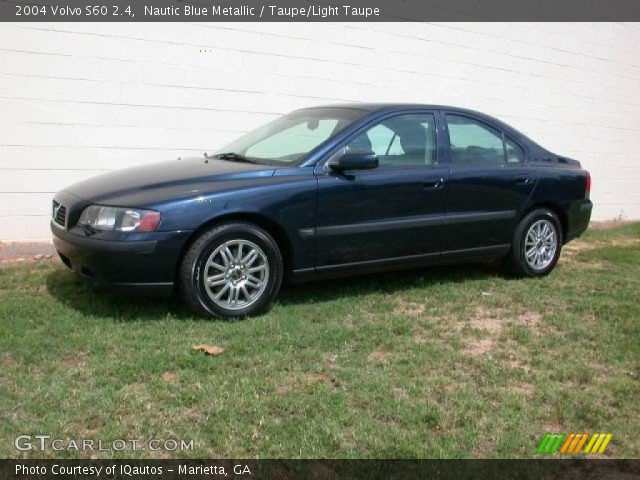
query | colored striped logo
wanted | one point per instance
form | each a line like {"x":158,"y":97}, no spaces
{"x":573,"y":443}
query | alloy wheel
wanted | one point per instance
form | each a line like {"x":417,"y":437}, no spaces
{"x":541,"y":243}
{"x":236,"y":274}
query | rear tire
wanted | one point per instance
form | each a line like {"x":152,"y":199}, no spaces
{"x":536,"y":244}
{"x":231,"y":270}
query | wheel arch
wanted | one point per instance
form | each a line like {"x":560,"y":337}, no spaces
{"x":269,"y":225}
{"x":555,"y":208}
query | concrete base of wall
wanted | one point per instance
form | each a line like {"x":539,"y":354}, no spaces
{"x":12,"y":252}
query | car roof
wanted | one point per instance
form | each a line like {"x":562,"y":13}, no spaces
{"x":390,"y":107}
{"x":372,"y":107}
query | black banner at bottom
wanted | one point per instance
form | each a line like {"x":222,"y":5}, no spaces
{"x":319,"y":469}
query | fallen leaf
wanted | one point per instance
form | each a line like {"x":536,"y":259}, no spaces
{"x":209,"y":349}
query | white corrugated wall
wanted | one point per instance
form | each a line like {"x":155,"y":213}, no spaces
{"x":80,"y":99}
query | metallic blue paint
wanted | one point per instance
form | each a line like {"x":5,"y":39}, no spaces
{"x":325,"y":222}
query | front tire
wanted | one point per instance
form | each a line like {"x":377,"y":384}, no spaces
{"x":536,"y":245}
{"x":231,"y":270}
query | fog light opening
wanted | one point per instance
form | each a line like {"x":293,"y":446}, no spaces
{"x":84,"y":271}
{"x":65,"y":261}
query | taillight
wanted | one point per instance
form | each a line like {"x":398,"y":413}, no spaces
{"x":588,"y":184}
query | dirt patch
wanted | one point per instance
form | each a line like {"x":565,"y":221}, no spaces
{"x":170,"y":377}
{"x":89,"y":427}
{"x":552,"y":427}
{"x":486,"y":445}
{"x":570,"y":250}
{"x":191,"y":415}
{"x":314,"y":377}
{"x":6,"y":382}
{"x":479,"y":347}
{"x":518,"y":363}
{"x":286,"y":387}
{"x":491,"y":322}
{"x":133,"y":391}
{"x":75,"y":360}
{"x":330,"y":360}
{"x":298,"y":382}
{"x":488,"y":320}
{"x":598,"y":265}
{"x":410,"y":309}
{"x":419,"y":338}
{"x":453,"y":386}
{"x":379,"y":356}
{"x":399,"y":392}
{"x":7,"y":361}
{"x":531,"y":321}
{"x":524,"y":389}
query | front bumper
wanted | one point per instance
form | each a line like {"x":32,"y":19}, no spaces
{"x":147,"y":265}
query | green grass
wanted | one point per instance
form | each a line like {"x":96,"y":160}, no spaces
{"x":449,"y":362}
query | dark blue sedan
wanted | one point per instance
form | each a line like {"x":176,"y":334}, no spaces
{"x":325,"y":191}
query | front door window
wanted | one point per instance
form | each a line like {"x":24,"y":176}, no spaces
{"x":402,"y":141}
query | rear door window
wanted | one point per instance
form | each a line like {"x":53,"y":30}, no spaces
{"x":473,"y":142}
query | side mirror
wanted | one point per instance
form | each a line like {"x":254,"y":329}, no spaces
{"x":355,"y":161}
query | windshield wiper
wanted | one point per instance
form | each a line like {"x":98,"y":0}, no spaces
{"x":234,"y":157}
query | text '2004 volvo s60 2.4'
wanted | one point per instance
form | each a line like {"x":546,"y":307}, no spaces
{"x":325,"y":191}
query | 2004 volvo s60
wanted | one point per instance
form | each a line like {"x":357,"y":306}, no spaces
{"x":325,"y":191}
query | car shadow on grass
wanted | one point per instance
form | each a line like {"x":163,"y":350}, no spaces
{"x":387,"y":283}
{"x":73,"y":292}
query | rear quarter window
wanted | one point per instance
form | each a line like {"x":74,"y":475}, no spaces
{"x":515,"y":153}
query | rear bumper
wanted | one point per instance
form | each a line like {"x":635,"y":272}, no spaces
{"x":146,"y":266}
{"x":579,"y":218}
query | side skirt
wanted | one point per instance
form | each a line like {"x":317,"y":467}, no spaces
{"x":398,"y":263}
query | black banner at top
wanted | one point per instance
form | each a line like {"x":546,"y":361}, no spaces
{"x":317,"y":11}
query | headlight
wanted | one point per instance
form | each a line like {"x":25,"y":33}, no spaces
{"x":120,"y":219}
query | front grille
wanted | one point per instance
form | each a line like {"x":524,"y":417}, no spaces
{"x":59,"y":214}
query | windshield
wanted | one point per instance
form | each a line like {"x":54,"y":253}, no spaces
{"x":286,"y":140}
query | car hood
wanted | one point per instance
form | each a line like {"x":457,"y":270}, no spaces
{"x":157,"y":182}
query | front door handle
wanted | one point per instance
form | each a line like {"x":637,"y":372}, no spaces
{"x":433,"y":183}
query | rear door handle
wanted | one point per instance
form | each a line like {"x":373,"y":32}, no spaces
{"x":433,"y":183}
{"x":523,"y":180}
